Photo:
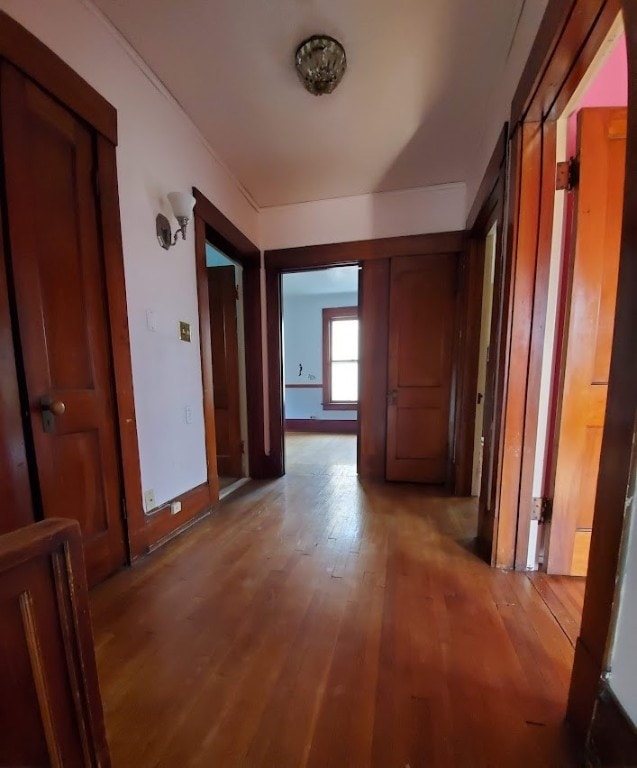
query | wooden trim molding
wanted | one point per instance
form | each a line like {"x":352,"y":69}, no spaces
{"x":161,"y":525}
{"x":211,"y":225}
{"x":120,"y":347}
{"x":332,"y":254}
{"x":223,"y":234}
{"x":205,"y":342}
{"x":373,"y":303}
{"x":567,"y":41}
{"x":328,"y":426}
{"x":32,"y":57}
{"x":612,"y":739}
{"x":304,"y":386}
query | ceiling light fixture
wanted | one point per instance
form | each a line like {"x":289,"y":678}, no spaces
{"x":320,"y":63}
{"x":182,"y":204}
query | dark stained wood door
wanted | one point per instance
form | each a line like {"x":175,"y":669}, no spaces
{"x":59,"y":287}
{"x":222,"y":292}
{"x":421,"y":342}
{"x":589,"y":322}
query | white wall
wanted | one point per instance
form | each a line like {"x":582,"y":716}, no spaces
{"x":623,"y":664}
{"x":303,"y":343}
{"x":159,"y":151}
{"x":365,"y":217}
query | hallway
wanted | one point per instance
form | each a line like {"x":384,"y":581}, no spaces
{"x":318,"y":621}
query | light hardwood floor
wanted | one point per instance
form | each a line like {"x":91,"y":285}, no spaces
{"x":318,"y":621}
{"x":318,"y":454}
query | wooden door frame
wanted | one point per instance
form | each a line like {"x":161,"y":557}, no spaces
{"x":567,"y":42}
{"x":212,"y":226}
{"x":489,"y":208}
{"x":22,"y":49}
{"x":374,"y":256}
{"x":568,"y":39}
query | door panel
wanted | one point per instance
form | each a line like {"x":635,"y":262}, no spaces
{"x":59,"y":286}
{"x":590,"y":318}
{"x":222,"y":293}
{"x":421,"y":339}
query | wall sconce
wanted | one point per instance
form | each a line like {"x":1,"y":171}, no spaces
{"x":182,"y":204}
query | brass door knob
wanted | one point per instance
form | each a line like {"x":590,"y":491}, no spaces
{"x":56,"y":407}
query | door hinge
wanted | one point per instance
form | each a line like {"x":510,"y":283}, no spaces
{"x":243,"y":447}
{"x":542,"y":509}
{"x":567,"y":175}
{"x":236,"y":292}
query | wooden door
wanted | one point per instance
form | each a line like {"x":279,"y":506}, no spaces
{"x":421,"y":342}
{"x":222,"y":292}
{"x":589,"y":326}
{"x":59,"y":288}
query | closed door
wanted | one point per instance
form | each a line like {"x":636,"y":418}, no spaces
{"x":222,"y":292}
{"x":59,"y":288}
{"x":597,"y":225}
{"x":421,"y":341}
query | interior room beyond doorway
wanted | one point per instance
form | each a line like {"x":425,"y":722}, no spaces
{"x":320,"y":331}
{"x":228,"y":367}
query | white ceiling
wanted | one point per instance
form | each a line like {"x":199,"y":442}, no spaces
{"x":411,"y":111}
{"x":319,"y":281}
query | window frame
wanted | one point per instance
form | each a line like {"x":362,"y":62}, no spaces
{"x":331,"y":314}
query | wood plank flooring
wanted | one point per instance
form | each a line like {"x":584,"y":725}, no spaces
{"x":320,"y":454}
{"x":564,"y":596}
{"x":317,"y":621}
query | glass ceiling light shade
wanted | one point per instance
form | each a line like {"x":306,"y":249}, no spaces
{"x":320,"y":64}
{"x":182,"y":204}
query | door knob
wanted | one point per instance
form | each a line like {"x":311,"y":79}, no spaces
{"x":56,"y":407}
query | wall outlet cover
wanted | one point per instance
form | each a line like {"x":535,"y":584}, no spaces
{"x":149,"y":500}
{"x":175,"y":507}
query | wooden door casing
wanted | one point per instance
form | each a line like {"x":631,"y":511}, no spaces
{"x":62,"y":314}
{"x":50,"y":706}
{"x":222,"y":293}
{"x":588,"y":338}
{"x":422,"y":320}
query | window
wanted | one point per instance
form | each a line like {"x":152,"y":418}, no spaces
{"x":340,"y":358}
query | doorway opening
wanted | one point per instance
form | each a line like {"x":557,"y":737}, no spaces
{"x":225,"y":278}
{"x":488,"y":279}
{"x":320,"y":351}
{"x":582,"y":286}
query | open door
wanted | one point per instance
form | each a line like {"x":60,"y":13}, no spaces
{"x":223,"y":296}
{"x":589,"y":323}
{"x":421,"y":339}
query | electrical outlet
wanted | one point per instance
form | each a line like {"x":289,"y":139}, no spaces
{"x":149,"y":500}
{"x":175,"y":508}
{"x":188,"y":414}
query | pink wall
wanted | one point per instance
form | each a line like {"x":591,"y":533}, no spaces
{"x":608,"y":89}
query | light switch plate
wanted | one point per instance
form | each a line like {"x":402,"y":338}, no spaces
{"x":184,"y":331}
